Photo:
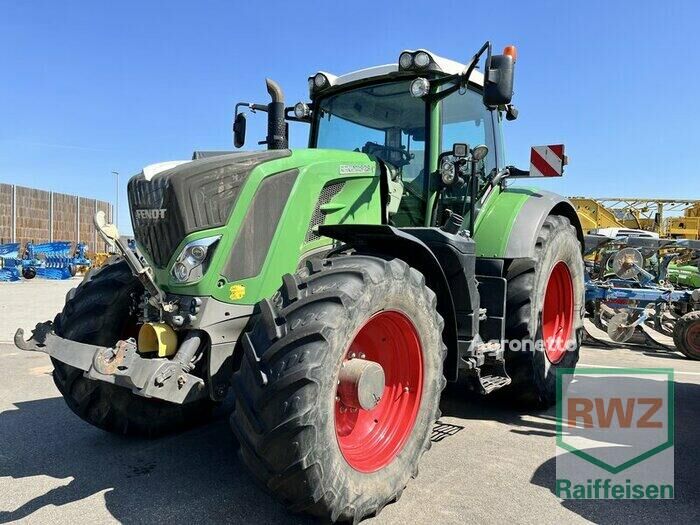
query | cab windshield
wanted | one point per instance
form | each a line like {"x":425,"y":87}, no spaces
{"x":383,"y":120}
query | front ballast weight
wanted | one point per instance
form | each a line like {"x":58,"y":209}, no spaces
{"x":122,"y":365}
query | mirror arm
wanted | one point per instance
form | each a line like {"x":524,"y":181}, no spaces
{"x":463,"y":77}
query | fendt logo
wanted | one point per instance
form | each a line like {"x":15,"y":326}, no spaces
{"x":152,"y":214}
{"x":615,"y":433}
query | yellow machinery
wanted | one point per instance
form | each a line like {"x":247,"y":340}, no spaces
{"x":640,"y":214}
{"x":686,"y":227}
{"x":99,"y":258}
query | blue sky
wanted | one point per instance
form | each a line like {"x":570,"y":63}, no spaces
{"x":87,"y":87}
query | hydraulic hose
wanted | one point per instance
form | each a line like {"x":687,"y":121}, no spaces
{"x":189,"y":347}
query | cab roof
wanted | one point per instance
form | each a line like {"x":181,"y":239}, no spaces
{"x":438,"y":64}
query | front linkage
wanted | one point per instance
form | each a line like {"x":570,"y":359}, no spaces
{"x":122,"y":365}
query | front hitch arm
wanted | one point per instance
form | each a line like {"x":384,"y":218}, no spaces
{"x":120,"y":365}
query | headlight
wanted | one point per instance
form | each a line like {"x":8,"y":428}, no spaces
{"x":420,"y":87}
{"x":180,"y":271}
{"x":193,"y":260}
{"x":447,"y":172}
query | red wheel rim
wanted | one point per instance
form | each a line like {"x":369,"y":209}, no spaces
{"x":692,"y":338}
{"x":370,"y":439}
{"x":558,"y":312}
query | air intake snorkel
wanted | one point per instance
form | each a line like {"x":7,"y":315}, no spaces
{"x":276,"y":125}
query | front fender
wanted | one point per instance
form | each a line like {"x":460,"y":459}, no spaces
{"x":384,"y":240}
{"x":510,"y":220}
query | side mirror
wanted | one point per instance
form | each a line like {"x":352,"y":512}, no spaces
{"x":498,"y":79}
{"x":239,"y":125}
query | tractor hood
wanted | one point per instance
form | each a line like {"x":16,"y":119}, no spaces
{"x":173,"y":203}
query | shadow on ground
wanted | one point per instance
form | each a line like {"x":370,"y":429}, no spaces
{"x":191,"y":477}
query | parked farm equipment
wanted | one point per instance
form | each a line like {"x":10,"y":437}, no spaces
{"x":636,"y":293}
{"x":50,"y":260}
{"x":10,"y":263}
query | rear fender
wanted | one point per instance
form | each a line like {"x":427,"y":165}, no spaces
{"x":509,"y":222}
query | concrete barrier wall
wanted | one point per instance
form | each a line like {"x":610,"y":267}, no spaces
{"x":5,"y":212}
{"x":28,"y":214}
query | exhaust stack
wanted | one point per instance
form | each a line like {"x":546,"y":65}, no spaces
{"x":277,"y":130}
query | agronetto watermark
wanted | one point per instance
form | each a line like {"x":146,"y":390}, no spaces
{"x":615,"y":434}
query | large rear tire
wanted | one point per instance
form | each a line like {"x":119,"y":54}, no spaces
{"x":544,"y":313}
{"x":99,"y":311}
{"x":299,"y":434}
{"x":686,"y":335}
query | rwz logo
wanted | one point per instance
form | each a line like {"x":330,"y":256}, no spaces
{"x":153,"y":214}
{"x":615,"y":430}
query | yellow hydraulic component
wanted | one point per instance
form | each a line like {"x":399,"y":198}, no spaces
{"x":157,"y":337}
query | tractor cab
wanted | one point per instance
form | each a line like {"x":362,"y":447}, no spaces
{"x":423,"y":118}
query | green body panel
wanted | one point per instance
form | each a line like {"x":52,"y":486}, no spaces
{"x":685,"y":275}
{"x":358,"y":202}
{"x":494,"y":222}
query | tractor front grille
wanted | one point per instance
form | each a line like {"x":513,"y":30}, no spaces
{"x":158,"y":225}
{"x":194,"y":196}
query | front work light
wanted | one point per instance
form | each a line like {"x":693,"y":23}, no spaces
{"x":301,"y":110}
{"x":420,"y":87}
{"x":422,"y":59}
{"x":193,"y":260}
{"x":406,"y":60}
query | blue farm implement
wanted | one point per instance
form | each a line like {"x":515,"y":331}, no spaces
{"x":53,"y":260}
{"x":10,"y":263}
{"x":630,"y":298}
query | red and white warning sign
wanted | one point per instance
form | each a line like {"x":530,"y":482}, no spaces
{"x":547,"y":161}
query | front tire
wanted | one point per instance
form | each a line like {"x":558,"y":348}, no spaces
{"x":98,"y":312}
{"x":297,"y":435}
{"x":544,"y":313}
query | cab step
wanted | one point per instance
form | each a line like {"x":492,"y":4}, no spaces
{"x":486,"y":367}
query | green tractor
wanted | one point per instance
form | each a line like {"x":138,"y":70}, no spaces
{"x":333,"y":291}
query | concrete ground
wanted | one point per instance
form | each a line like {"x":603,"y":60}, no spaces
{"x":488,"y":463}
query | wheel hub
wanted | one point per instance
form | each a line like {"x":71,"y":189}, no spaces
{"x":361,"y":384}
{"x":692,"y":337}
{"x":380,"y":384}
